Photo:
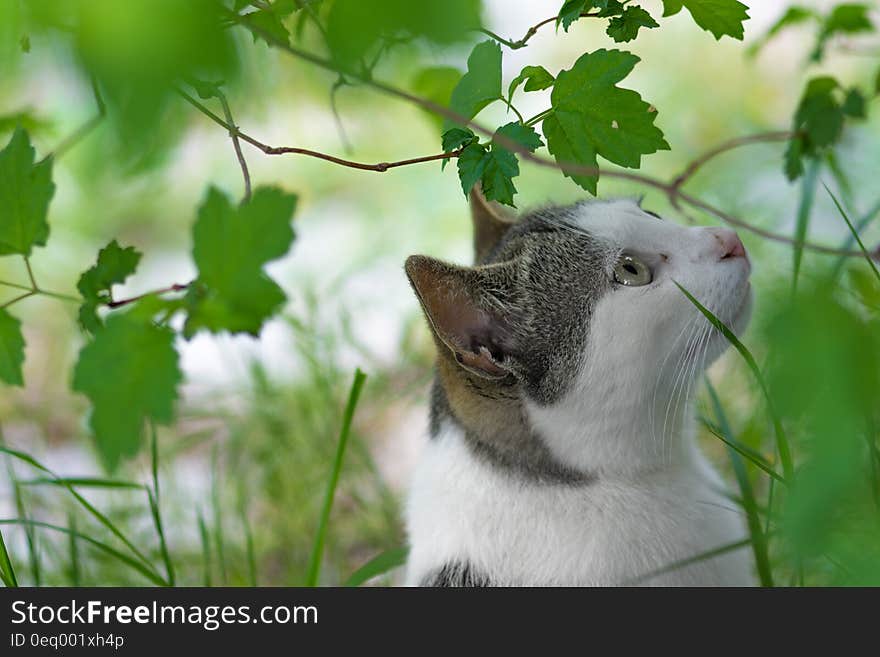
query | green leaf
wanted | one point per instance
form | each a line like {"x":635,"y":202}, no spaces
{"x":231,"y":245}
{"x":436,"y":84}
{"x":11,"y":349}
{"x":268,"y":21}
{"x":720,"y":17}
{"x":25,"y":192}
{"x":592,"y":116}
{"x":471,"y":164}
{"x":456,"y":138}
{"x":355,"y":27}
{"x":818,"y":121}
{"x":792,"y":16}
{"x":481,"y":84}
{"x":571,"y":10}
{"x":626,"y":26}
{"x":114,"y":265}
{"x":844,"y":19}
{"x":854,"y":104}
{"x":523,"y":134}
{"x":130,"y":374}
{"x":535,"y":77}
{"x":494,"y":165}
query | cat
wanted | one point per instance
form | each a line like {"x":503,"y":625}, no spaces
{"x":562,"y":446}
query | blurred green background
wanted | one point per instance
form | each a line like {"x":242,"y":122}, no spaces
{"x":249,"y":455}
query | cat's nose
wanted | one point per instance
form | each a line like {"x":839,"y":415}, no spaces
{"x":727,"y":244}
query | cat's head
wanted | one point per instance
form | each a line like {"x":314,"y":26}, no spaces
{"x":576,"y":309}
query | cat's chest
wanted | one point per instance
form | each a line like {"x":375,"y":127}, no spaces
{"x":604,"y":532}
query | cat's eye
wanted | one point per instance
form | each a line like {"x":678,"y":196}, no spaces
{"x":630,"y":271}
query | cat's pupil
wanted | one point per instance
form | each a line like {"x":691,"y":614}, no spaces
{"x":631,"y":269}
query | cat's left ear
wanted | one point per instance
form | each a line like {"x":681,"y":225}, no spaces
{"x":465,"y":313}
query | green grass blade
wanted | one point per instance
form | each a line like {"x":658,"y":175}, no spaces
{"x":153,"y":499}
{"x":7,"y":571}
{"x":250,"y":554}
{"x":73,"y":550}
{"x":861,"y":225}
{"x":314,"y":569}
{"x":81,"y":482}
{"x":854,"y":232}
{"x":103,"y":547}
{"x":704,"y":556}
{"x":100,"y":517}
{"x":206,"y":551}
{"x":759,"y":540}
{"x":30,"y":535}
{"x":219,"y":540}
{"x":163,"y":546}
{"x":378,"y":565}
{"x":743,"y":450}
{"x":805,"y":208}
{"x":782,"y":445}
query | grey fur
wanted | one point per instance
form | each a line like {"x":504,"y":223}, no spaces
{"x":545,"y":278}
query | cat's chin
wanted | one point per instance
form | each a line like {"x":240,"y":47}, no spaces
{"x":743,"y":313}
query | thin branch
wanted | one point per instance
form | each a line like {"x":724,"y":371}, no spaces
{"x":696,"y":164}
{"x":177,"y":287}
{"x":17,"y":286}
{"x":521,"y":43}
{"x":284,"y":150}
{"x":512,"y":145}
{"x":86,"y":127}
{"x":30,"y":272}
{"x":515,"y":111}
{"x":233,"y":134}
{"x":30,"y":293}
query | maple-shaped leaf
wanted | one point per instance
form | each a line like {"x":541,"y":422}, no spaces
{"x":720,"y":17}
{"x":25,"y":192}
{"x":130,"y":373}
{"x":593,"y":116}
{"x":626,"y":26}
{"x":481,"y":84}
{"x":114,"y":265}
{"x":231,"y":245}
{"x":11,"y":349}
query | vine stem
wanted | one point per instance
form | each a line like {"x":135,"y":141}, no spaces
{"x":85,"y":128}
{"x":380,"y":167}
{"x":233,"y":134}
{"x":176,"y":287}
{"x":532,"y":31}
{"x":670,"y":189}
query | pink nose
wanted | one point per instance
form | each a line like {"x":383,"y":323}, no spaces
{"x":729,"y":244}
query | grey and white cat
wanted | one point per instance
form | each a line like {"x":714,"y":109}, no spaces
{"x":562,"y":448}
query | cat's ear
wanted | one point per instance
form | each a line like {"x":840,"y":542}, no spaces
{"x":462,"y":314}
{"x":491,"y":220}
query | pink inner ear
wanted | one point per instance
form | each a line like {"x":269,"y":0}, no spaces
{"x":453,"y":312}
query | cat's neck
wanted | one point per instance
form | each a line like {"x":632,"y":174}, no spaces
{"x":586,"y":434}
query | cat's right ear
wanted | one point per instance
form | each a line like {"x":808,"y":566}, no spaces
{"x":491,"y":220}
{"x":478,"y":335}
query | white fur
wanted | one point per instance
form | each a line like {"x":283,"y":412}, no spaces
{"x":626,"y":419}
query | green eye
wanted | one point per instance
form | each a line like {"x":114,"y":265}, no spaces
{"x":631,"y":271}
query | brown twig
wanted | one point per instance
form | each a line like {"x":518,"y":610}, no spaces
{"x":521,"y":43}
{"x":233,"y":134}
{"x":285,"y":150}
{"x":729,"y":145}
{"x":572,"y":168}
{"x":86,"y":127}
{"x":177,"y":287}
